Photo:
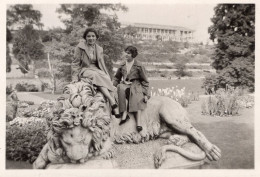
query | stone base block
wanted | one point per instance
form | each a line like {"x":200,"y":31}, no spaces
{"x":91,"y":164}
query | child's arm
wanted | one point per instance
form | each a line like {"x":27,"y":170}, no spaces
{"x":144,"y":82}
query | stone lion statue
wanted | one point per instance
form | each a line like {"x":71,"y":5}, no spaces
{"x":82,"y":128}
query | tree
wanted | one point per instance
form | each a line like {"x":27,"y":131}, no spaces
{"x":26,"y":46}
{"x":19,"y":16}
{"x":233,"y":31}
{"x":100,"y":16}
{"x":8,"y":57}
{"x":22,"y":15}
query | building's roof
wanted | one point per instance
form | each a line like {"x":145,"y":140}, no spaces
{"x":146,"y":25}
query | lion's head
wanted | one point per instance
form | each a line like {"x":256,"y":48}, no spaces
{"x":82,"y":132}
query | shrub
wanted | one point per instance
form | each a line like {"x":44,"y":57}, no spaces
{"x":11,"y":110}
{"x":20,"y":87}
{"x":9,"y":89}
{"x":225,"y":102}
{"x":25,"y":138}
{"x":25,"y":87}
{"x":210,"y":84}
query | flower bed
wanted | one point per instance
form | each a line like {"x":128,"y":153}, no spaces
{"x":226,"y":102}
{"x":176,"y":94}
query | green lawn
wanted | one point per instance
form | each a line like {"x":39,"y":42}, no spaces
{"x":189,"y":84}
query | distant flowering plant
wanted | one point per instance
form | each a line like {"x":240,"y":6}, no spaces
{"x":176,"y":94}
{"x":40,"y":111}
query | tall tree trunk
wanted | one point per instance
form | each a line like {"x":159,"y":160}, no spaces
{"x":33,"y":67}
{"x":53,"y":79}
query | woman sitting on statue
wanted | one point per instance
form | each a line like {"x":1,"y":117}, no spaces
{"x":132,"y":86}
{"x":89,"y":63}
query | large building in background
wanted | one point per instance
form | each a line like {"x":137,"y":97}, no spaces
{"x":160,"y":32}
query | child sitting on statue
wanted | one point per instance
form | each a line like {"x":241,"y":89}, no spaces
{"x":132,"y":86}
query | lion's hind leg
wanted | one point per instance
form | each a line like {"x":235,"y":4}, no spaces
{"x":176,"y":119}
{"x":212,"y":151}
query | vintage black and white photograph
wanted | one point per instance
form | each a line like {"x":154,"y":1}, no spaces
{"x":130,"y":86}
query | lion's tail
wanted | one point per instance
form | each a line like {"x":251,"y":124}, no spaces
{"x":188,"y":154}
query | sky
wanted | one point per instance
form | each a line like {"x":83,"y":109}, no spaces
{"x":193,"y":16}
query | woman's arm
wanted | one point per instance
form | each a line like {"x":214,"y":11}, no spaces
{"x":75,"y":64}
{"x":117,"y":77}
{"x":144,"y":81}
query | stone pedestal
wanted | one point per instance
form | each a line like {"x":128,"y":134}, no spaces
{"x":91,"y":164}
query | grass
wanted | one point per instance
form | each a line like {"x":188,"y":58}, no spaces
{"x":189,"y":84}
{"x":233,"y":135}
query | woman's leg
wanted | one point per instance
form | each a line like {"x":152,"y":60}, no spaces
{"x":111,"y":100}
{"x":138,"y":120}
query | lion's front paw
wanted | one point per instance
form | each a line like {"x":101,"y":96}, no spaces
{"x":214,"y":153}
{"x":159,"y":157}
{"x":108,"y":155}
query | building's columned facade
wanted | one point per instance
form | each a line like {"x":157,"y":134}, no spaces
{"x":161,"y":32}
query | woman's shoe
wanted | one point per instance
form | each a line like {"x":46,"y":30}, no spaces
{"x":139,"y":128}
{"x":114,"y":106}
{"x":125,"y":120}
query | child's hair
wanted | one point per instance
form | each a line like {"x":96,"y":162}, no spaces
{"x":132,"y":50}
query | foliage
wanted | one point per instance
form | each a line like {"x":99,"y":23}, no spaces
{"x":181,"y":69}
{"x":8,"y":57}
{"x":240,"y":73}
{"x":176,"y":94}
{"x":81,"y":16}
{"x":157,"y":51}
{"x":234,"y":31}
{"x":179,"y":58}
{"x":26,"y":110}
{"x":23,"y":14}
{"x":25,"y":138}
{"x":19,"y":16}
{"x":210,"y":83}
{"x":9,"y":89}
{"x":25,"y":87}
{"x":27,"y":47}
{"x":226,"y":102}
{"x":246,"y":101}
{"x":129,"y":31}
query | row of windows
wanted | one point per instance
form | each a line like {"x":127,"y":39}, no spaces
{"x":171,"y":35}
{"x":153,"y":30}
{"x":164,"y":37}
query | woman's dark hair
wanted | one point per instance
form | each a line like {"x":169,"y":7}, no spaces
{"x":132,"y":50}
{"x":90,"y":30}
